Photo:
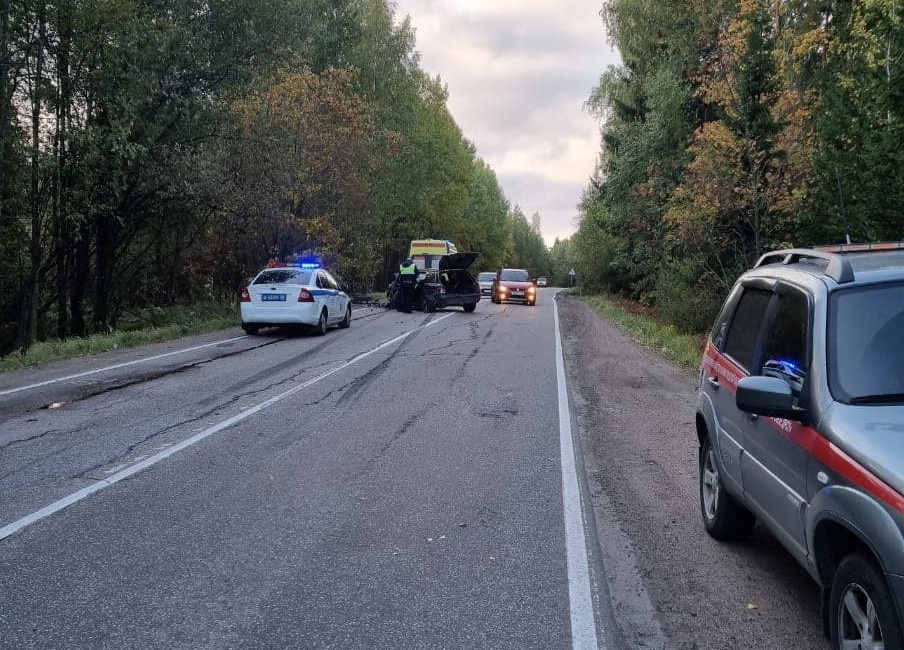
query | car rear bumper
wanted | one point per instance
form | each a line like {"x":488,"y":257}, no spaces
{"x":456,"y":300}
{"x":298,"y":314}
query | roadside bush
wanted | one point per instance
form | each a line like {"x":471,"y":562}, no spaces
{"x":687,"y":296}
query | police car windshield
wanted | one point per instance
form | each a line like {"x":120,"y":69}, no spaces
{"x":283,"y":276}
{"x":866,"y":354}
{"x":515,"y":275}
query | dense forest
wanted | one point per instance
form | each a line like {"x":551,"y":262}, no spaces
{"x":155,"y":152}
{"x":733,"y":127}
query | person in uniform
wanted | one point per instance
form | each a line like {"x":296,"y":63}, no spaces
{"x":407,"y":284}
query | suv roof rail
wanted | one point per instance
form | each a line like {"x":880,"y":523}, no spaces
{"x":860,"y":248}
{"x":838,"y":267}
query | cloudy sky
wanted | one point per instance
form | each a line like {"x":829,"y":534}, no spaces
{"x":518,"y":74}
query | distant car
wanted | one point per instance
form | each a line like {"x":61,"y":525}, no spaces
{"x":303,"y":295}
{"x":799,"y":419}
{"x":485,"y":280}
{"x":514,"y":285}
{"x":541,"y":281}
{"x":448,"y":285}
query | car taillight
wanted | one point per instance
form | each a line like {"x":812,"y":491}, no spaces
{"x":305,"y":296}
{"x":245,"y":296}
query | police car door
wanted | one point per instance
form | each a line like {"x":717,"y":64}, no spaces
{"x":329,"y":295}
{"x":774,"y":469}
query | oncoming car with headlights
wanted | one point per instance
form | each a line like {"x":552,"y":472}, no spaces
{"x":514,"y":285}
{"x":302,"y":295}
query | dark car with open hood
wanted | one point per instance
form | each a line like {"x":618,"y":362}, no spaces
{"x":449,"y":285}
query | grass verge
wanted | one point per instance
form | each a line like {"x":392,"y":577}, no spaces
{"x":139,"y":328}
{"x":646,"y":328}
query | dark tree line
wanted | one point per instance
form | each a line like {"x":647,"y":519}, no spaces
{"x":161,"y":151}
{"x":735,"y":127}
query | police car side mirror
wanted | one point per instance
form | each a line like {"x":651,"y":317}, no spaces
{"x":769,"y":396}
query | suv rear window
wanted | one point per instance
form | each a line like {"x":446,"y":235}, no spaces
{"x":866,"y":344}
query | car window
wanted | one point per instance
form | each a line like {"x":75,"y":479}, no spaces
{"x":326,"y":281}
{"x":283,"y":276}
{"x":740,"y":342}
{"x":785,"y":351}
{"x":514,"y":275}
{"x":486,"y":277}
{"x":865,"y":349}
{"x":720,"y":327}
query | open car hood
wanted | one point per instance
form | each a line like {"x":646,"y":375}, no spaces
{"x":457,"y":261}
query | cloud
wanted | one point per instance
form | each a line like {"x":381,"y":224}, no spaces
{"x":518,"y":73}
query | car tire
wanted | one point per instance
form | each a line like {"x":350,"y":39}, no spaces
{"x":471,"y":306}
{"x":347,"y":321}
{"x":724,"y":518}
{"x":532,"y":303}
{"x":320,"y":328}
{"x":250,"y":330}
{"x":859,"y":589}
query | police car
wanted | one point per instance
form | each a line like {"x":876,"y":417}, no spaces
{"x":303,"y":294}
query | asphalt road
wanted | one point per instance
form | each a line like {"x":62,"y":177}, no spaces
{"x":395,"y":485}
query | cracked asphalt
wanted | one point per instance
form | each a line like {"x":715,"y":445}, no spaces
{"x":363,"y":490}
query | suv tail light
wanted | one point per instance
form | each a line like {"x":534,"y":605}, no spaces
{"x":245,"y":296}
{"x":305,"y":296}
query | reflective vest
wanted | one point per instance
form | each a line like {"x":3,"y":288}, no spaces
{"x":411,"y":269}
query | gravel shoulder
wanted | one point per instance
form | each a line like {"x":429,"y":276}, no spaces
{"x":671,"y":585}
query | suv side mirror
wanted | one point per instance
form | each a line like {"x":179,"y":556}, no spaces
{"x":769,"y":396}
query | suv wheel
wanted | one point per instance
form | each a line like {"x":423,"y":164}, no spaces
{"x":862,"y":614}
{"x":723,"y":517}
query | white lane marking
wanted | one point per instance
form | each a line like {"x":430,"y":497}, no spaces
{"x":75,"y":497}
{"x":10,"y":391}
{"x":583,"y":625}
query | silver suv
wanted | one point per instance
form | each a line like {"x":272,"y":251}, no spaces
{"x":800,"y":420}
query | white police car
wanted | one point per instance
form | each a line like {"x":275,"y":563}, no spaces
{"x":294,"y":295}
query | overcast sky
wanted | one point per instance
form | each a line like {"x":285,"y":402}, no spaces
{"x":518,"y":74}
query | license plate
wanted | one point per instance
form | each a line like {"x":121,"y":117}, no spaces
{"x":517,"y":293}
{"x":273,"y":297}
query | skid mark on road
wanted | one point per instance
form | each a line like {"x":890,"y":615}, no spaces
{"x":140,"y":466}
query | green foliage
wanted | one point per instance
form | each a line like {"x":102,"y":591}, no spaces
{"x":687,"y":296}
{"x":177,"y":146}
{"x":737,"y":126}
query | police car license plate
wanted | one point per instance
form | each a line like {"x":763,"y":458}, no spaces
{"x":273,"y":297}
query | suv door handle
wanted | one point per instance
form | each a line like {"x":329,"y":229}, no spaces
{"x":713,"y":382}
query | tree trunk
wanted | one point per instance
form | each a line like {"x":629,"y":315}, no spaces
{"x":106,"y":257}
{"x":63,"y":226}
{"x":28,"y":323}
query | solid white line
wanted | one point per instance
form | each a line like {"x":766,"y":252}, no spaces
{"x":75,"y":497}
{"x":583,"y":626}
{"x":10,"y":391}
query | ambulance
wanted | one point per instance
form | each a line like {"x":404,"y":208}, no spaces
{"x":426,"y":253}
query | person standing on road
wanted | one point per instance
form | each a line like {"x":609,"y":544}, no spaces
{"x":407,"y":283}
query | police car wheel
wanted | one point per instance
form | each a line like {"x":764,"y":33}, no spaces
{"x":723,"y":517}
{"x":861,"y":610}
{"x":347,"y":321}
{"x":320,"y":328}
